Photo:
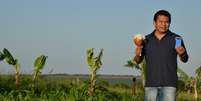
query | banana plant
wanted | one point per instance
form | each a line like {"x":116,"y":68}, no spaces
{"x":94,"y":64}
{"x":38,"y":66}
{"x":14,"y":62}
{"x":141,"y":67}
{"x":198,"y":82}
{"x":132,"y":65}
{"x":186,"y":79}
{"x":198,"y":72}
{"x":189,"y":81}
{"x":195,"y":95}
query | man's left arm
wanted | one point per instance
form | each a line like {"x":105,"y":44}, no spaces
{"x":181,"y":51}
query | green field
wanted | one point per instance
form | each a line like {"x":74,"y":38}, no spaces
{"x":47,"y":88}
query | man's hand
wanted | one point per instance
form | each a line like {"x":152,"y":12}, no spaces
{"x":180,"y":50}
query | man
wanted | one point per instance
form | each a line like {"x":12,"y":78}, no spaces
{"x":160,"y":55}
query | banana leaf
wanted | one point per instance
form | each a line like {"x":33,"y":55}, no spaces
{"x":90,"y":57}
{"x":9,"y":58}
{"x":40,"y":62}
{"x":98,"y":62}
{"x":1,"y":56}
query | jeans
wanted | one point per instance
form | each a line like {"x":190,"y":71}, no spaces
{"x":160,"y":94}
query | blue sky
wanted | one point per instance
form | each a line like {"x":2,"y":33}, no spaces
{"x":64,"y":29}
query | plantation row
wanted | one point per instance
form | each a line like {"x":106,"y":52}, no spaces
{"x":47,"y":89}
{"x":34,"y":88}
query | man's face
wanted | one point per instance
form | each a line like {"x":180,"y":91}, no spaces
{"x":162,"y":24}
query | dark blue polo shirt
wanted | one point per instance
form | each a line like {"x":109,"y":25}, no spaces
{"x":161,"y":60}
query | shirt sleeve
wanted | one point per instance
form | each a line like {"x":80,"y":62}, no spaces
{"x":184,"y":57}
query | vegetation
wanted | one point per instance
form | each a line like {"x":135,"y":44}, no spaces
{"x":187,"y":83}
{"x":14,"y":62}
{"x":71,"y":90}
{"x":94,"y":64}
{"x":74,"y":89}
{"x":38,"y":66}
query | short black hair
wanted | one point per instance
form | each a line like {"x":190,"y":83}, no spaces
{"x":162,"y":12}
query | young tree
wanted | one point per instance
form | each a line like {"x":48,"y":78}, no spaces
{"x":198,"y":72}
{"x":198,"y":81}
{"x":186,"y":79}
{"x":190,"y":82}
{"x":132,"y":65}
{"x":38,"y":66}
{"x":141,"y":67}
{"x":94,"y":64}
{"x":14,"y":62}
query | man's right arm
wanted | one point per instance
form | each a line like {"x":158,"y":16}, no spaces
{"x":138,"y":59}
{"x":138,"y":55}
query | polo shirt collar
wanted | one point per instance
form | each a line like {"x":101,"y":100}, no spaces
{"x":168,"y":33}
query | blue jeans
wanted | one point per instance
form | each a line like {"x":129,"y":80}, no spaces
{"x":160,"y":94}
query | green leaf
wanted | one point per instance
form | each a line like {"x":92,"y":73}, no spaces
{"x":131,"y":64}
{"x":9,"y":58}
{"x":198,"y":72}
{"x":90,"y":57}
{"x":98,"y":62}
{"x":1,"y":56}
{"x":40,"y":62}
{"x":183,"y":75}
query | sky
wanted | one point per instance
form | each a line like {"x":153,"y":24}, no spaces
{"x":64,"y":29}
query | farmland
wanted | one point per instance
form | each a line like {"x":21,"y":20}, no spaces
{"x":63,"y":87}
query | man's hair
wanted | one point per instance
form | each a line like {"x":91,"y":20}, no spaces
{"x":162,"y":12}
